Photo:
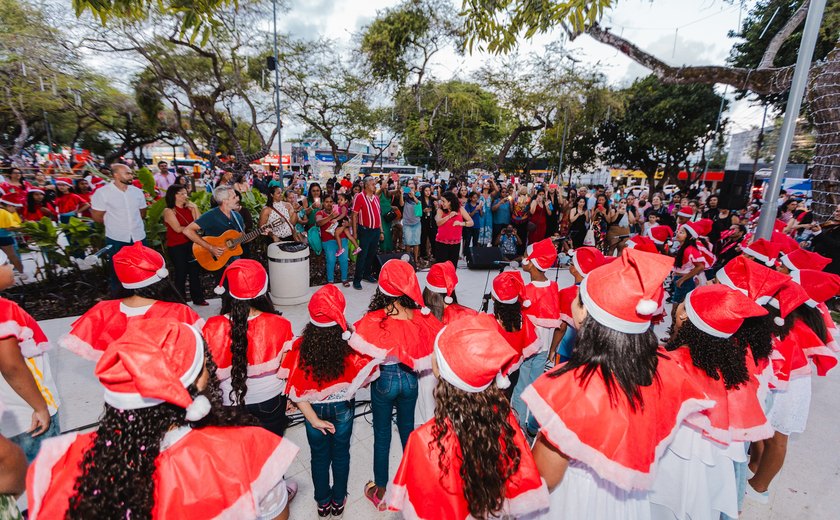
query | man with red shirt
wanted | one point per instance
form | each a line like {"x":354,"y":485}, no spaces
{"x":367,"y":223}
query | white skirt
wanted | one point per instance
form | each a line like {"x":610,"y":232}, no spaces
{"x":695,"y":478}
{"x":788,"y":412}
{"x":583,"y":494}
{"x":425,"y":407}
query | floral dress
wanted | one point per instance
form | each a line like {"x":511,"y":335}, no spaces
{"x":485,"y":222}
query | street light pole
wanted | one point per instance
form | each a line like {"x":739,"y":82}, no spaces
{"x":277,"y":97}
{"x":794,"y":103}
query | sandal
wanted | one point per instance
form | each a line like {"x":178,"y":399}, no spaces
{"x":345,"y":283}
{"x":370,"y":493}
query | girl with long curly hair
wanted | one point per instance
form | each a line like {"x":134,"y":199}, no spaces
{"x":695,"y":476}
{"x":615,"y":392}
{"x":471,"y":459}
{"x":165,"y":446}
{"x":439,"y":294}
{"x":508,"y":292}
{"x":324,"y":375}
{"x":149,"y":294}
{"x":399,"y":331}
{"x":248,"y":341}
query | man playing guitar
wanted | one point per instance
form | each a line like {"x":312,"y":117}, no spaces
{"x":215,"y":222}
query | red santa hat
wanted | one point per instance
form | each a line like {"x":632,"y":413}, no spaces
{"x":64,"y":180}
{"x":789,"y":297}
{"x":397,"y":279}
{"x":756,"y":281}
{"x":802,"y":259}
{"x":698,"y":229}
{"x":585,"y":259}
{"x":720,"y":311}
{"x":820,"y":286}
{"x":785,"y":242}
{"x":139,"y":266}
{"x":685,"y":212}
{"x":509,"y":287}
{"x":471,"y":354}
{"x":442,"y":279}
{"x":763,"y":250}
{"x":624,"y":294}
{"x":11,"y":199}
{"x":543,"y":254}
{"x":154,"y":362}
{"x":246,"y":280}
{"x":326,"y":309}
{"x":642,"y":243}
{"x":779,"y":226}
{"x":36,"y":190}
{"x":660,"y":234}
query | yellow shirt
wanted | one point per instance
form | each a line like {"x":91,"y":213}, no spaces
{"x":9,"y":219}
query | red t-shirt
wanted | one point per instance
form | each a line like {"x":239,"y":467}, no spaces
{"x":325,"y":235}
{"x":185,"y":217}
{"x":368,"y":210}
{"x":69,"y":203}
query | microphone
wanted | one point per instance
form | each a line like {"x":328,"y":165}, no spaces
{"x":512,"y":263}
{"x":93,"y":259}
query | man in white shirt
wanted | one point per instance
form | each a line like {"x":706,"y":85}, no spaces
{"x":121,"y":206}
{"x":164,"y":178}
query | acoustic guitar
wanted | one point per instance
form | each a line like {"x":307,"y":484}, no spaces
{"x":231,"y":241}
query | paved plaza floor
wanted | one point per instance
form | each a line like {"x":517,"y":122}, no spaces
{"x":807,"y":487}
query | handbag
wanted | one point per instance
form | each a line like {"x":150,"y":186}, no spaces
{"x":296,"y":235}
{"x":589,"y":239}
{"x":390,"y":216}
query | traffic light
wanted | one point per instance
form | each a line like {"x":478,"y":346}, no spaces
{"x":270,"y":64}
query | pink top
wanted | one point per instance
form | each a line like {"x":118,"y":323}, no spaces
{"x":449,"y":233}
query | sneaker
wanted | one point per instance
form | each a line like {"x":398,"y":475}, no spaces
{"x":338,"y":509}
{"x":339,"y":252}
{"x":324,"y":510}
{"x":202,"y":304}
{"x":357,"y":251}
{"x":756,"y":496}
{"x":370,"y":279}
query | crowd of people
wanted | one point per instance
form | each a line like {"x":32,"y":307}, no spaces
{"x":557,"y":402}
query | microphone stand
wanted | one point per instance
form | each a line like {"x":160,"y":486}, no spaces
{"x":485,"y":300}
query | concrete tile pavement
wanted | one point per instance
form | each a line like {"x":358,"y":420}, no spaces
{"x":806,"y":488}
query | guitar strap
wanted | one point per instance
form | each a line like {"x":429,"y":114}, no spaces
{"x":291,"y":227}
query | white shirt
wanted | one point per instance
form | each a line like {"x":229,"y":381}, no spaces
{"x":123,"y":221}
{"x":164,"y":180}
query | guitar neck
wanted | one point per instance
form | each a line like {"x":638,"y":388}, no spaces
{"x":246,"y":237}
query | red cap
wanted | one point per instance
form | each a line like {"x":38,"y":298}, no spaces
{"x":442,"y":279}
{"x":624,"y":294}
{"x":802,"y":259}
{"x":642,"y":243}
{"x":685,"y":212}
{"x":820,"y":286}
{"x":701,"y":228}
{"x":660,"y":234}
{"x":720,"y":311}
{"x":139,"y":266}
{"x":246,"y":280}
{"x":785,"y":242}
{"x":63,"y":180}
{"x":508,"y":287}
{"x":154,"y":362}
{"x":586,"y":259}
{"x":756,"y":281}
{"x":763,"y":250}
{"x":11,"y":199}
{"x":397,"y":278}
{"x":36,"y":190}
{"x":543,"y":254}
{"x":471,"y":354}
{"x":789,"y":297}
{"x":326,"y":309}
{"x":779,"y":225}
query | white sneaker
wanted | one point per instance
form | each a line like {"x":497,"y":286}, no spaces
{"x":755,"y":496}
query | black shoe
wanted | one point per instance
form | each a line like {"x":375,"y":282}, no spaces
{"x":370,"y":279}
{"x":325,"y":510}
{"x":357,"y":286}
{"x":338,"y":509}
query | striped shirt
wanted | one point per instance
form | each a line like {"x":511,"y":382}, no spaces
{"x":367,"y":209}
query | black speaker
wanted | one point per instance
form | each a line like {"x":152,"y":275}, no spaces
{"x":735,"y":189}
{"x":384,"y":257}
{"x":485,"y":258}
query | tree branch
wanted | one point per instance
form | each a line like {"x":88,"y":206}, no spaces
{"x":783,"y":34}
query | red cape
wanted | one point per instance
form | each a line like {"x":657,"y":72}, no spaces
{"x":525,"y":340}
{"x":737,"y":414}
{"x":831,"y":327}
{"x":544,"y":310}
{"x":105,"y":323}
{"x":359,"y":370}
{"x":790,"y":355}
{"x":421,"y":491}
{"x":269,"y":336}
{"x":16,"y":322}
{"x":207,"y":473}
{"x":454,"y":311}
{"x":567,"y":296}
{"x":621,"y":445}
{"x":409,"y":341}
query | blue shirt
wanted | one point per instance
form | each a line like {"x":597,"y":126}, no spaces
{"x":502,"y":214}
{"x":214,"y":222}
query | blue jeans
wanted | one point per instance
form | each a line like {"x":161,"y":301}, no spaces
{"x":330,"y":249}
{"x":114,"y":283}
{"x":331,"y":449}
{"x":369,"y":242}
{"x":529,"y":371}
{"x":271,"y":413}
{"x":567,"y":343}
{"x":678,"y":294}
{"x":31,"y":445}
{"x":396,"y":387}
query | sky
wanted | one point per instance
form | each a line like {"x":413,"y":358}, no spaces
{"x":680,"y":32}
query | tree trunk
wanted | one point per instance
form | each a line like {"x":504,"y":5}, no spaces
{"x":824,"y":100}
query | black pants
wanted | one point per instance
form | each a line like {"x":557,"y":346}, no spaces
{"x":522,"y":230}
{"x":447,"y":253}
{"x":368,"y":240}
{"x":428,"y":230}
{"x":271,"y":414}
{"x":185,"y":266}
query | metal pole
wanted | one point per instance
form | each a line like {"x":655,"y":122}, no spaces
{"x":794,"y":103}
{"x":563,"y":148}
{"x":717,"y":127}
{"x":759,"y":140}
{"x":277,"y":97}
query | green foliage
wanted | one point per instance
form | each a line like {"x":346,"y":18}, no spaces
{"x":497,"y":25}
{"x":661,"y":124}
{"x":202,"y":199}
{"x":253,"y":201}
{"x":387,"y":43}
{"x":83,"y":237}
{"x":144,"y":175}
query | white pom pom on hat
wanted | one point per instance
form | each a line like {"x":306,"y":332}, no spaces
{"x":778,"y":321}
{"x":425,"y":311}
{"x":198,"y":409}
{"x":502,"y":381}
{"x":346,"y":335}
{"x":646,"y":307}
{"x":219,"y":289}
{"x":526,"y":303}
{"x":447,"y":300}
{"x":162,"y":272}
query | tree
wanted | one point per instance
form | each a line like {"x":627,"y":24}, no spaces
{"x":483,"y":25}
{"x":661,"y":125}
